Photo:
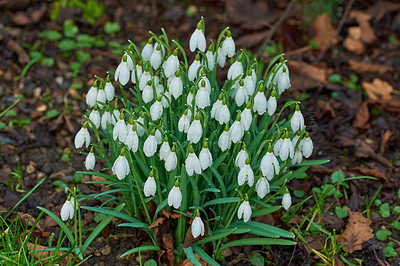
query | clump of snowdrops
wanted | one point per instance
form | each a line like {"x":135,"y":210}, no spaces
{"x":217,"y":154}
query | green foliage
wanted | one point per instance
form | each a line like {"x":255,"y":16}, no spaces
{"x":273,"y":49}
{"x":313,"y":8}
{"x":396,"y":210}
{"x":382,"y":235}
{"x":52,"y":113}
{"x":351,"y":83}
{"x":70,"y":29}
{"x":384,"y":210}
{"x":257,"y":259}
{"x":111,"y":27}
{"x":92,"y":10}
{"x":389,"y":250}
{"x":341,"y":212}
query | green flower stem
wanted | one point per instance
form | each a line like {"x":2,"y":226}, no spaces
{"x":183,"y":54}
{"x":136,"y":50}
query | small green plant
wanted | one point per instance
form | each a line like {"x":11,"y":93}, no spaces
{"x":273,"y":49}
{"x":351,"y":83}
{"x":92,"y":10}
{"x":389,"y":250}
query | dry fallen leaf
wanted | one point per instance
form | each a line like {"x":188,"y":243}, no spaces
{"x":186,"y":262}
{"x":169,"y":214}
{"x":157,"y":222}
{"x":362,"y":67}
{"x":358,"y":231}
{"x":378,"y":89}
{"x":380,"y":8}
{"x":370,"y":172}
{"x":324,"y":31}
{"x":317,"y":73}
{"x":367,"y":33}
{"x":353,"y":41}
{"x":362,"y":117}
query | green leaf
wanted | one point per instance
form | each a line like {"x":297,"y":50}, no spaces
{"x":66,"y":45}
{"x":258,"y":241}
{"x":298,"y":193}
{"x":115,"y":213}
{"x":396,"y":210}
{"x":52,"y":113}
{"x":216,"y":236}
{"x":396,"y":225}
{"x":384,"y":210}
{"x":313,"y":162}
{"x":265,"y":211}
{"x":382,"y":235}
{"x":221,"y":201}
{"x":204,"y":255}
{"x":274,"y":231}
{"x":140,"y":249}
{"x":51,"y":35}
{"x":398,"y":193}
{"x":353,"y":78}
{"x":150,"y":262}
{"x":338,"y":177}
{"x":111,"y":27}
{"x":99,"y":217}
{"x":82,"y":56}
{"x":389,"y":250}
{"x":341,"y":212}
{"x":70,"y":29}
{"x":135,"y":225}
{"x":190,"y":255}
{"x":257,"y":259}
{"x":335,"y":78}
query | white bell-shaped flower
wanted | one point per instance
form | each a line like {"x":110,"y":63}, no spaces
{"x":150,"y":144}
{"x":175,"y":196}
{"x":274,"y":77}
{"x":210,"y":58}
{"x":156,"y":58}
{"x":91,"y":96}
{"x":278,"y":145}
{"x":156,"y":110}
{"x":176,"y":86}
{"x":306,"y":145}
{"x":272,"y":104}
{"x":241,"y":157}
{"x":236,"y":69}
{"x":106,"y":117}
{"x":193,"y":68}
{"x":202,"y":96}
{"x":245,"y":210}
{"x":82,"y":137}
{"x":147,"y":50}
{"x":269,"y":164}
{"x":150,"y":186}
{"x":249,"y":83}
{"x":205,"y":156}
{"x":195,"y":130}
{"x":198,"y":40}
{"x":132,"y":138}
{"x":241,"y":96}
{"x":148,"y":94}
{"x":246,"y":117}
{"x":295,"y":139}
{"x":136,"y":74}
{"x":236,"y":131}
{"x":122,"y":73}
{"x":90,"y":160}
{"x":221,"y":57}
{"x":166,"y":99}
{"x":95,"y":117}
{"x":260,"y":102}
{"x":140,"y":123}
{"x":298,"y":157}
{"x":216,"y":106}
{"x":190,"y":97}
{"x":115,"y":115}
{"x":101,"y":97}
{"x":262,"y":187}
{"x":67,"y":210}
{"x":287,"y":149}
{"x":120,"y":130}
{"x":283,"y":81}
{"x":184,"y":121}
{"x":246,"y":174}
{"x":197,"y":226}
{"x":223,"y":116}
{"x":109,"y":90}
{"x":297,"y":120}
{"x":286,"y":200}
{"x":144,"y":78}
{"x":192,"y":163}
{"x":158,"y":136}
{"x":171,"y":161}
{"x":228,"y":46}
{"x":121,"y":166}
{"x":164,"y":149}
{"x":224,"y":140}
{"x":172,"y":64}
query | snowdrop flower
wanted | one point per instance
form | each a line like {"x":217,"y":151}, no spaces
{"x":121,"y":166}
{"x":156,"y":110}
{"x":216,"y":106}
{"x":283,"y":81}
{"x":223,"y":115}
{"x":278,"y":145}
{"x":276,"y":73}
{"x":91,"y":96}
{"x":249,"y":83}
{"x":147,"y":50}
{"x":137,"y":73}
{"x":241,"y":96}
{"x":241,"y":157}
{"x":150,"y":186}
{"x":269,"y":163}
{"x":122,"y":74}
{"x":262,"y":187}
{"x":246,"y":117}
{"x":286,"y":149}
{"x":228,"y":46}
{"x":236,"y":69}
{"x":109,"y":90}
{"x":175,"y":196}
{"x":246,"y":174}
{"x":150,"y":145}
{"x":144,"y":78}
{"x":172,"y":64}
{"x":198,"y":40}
{"x":298,"y":157}
{"x":67,"y":210}
{"x":140,"y":123}
{"x":272,"y":104}
{"x":296,"y":139}
{"x":171,"y":161}
{"x":306,"y":145}
{"x":90,"y":160}
{"x":197,"y":226}
{"x":101,"y":97}
{"x":94,"y":117}
{"x":176,"y":86}
{"x":205,"y":156}
{"x":148,"y":94}
{"x":210,"y":58}
{"x":221,"y":57}
{"x":192,"y":163}
{"x":82,"y":137}
{"x":132,"y":139}
{"x":205,"y":79}
{"x":120,"y":130}
{"x":192,"y":73}
{"x":224,"y":140}
{"x":166,"y":99}
{"x":297,"y":120}
{"x":260,"y":102}
{"x":159,"y":86}
{"x":107,"y":117}
{"x":195,"y":130}
{"x":115,"y":114}
{"x":164,"y":149}
{"x":184,"y":121}
{"x":129,"y":60}
{"x":190,"y":97}
{"x":156,"y":58}
{"x":286,"y":199}
{"x":245,"y":209}
{"x":236,"y":131}
{"x":202,"y":97}
{"x":158,"y":136}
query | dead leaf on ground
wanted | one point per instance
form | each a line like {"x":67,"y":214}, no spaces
{"x":384,"y":140}
{"x":324,"y":31}
{"x":186,"y":262}
{"x":49,"y":222}
{"x":169,"y":214}
{"x":39,"y":255}
{"x":169,"y":245}
{"x":380,"y":8}
{"x":370,"y":172}
{"x":157,"y":222}
{"x":29,"y":220}
{"x":362,"y":117}
{"x":378,"y":89}
{"x":363,"y":19}
{"x":358,"y":231}
{"x":363,"y":67}
{"x":23,"y":56}
{"x":251,"y":40}
{"x":353,"y":41}
{"x":315,"y":241}
{"x":317,"y":73}
{"x":392,"y":105}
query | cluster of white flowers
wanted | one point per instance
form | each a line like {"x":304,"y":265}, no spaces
{"x":180,"y":112}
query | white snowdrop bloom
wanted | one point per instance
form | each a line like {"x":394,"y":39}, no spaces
{"x":175,"y":196}
{"x":162,"y":48}
{"x":140,"y":129}
{"x":90,"y":161}
{"x":148,"y":94}
{"x":260,"y":102}
{"x":286,"y":149}
{"x":144,"y":78}
{"x":137,"y":73}
{"x":122,"y":73}
{"x":156,"y":110}
{"x":228,"y":46}
{"x":306,"y":145}
{"x":67,"y":210}
{"x":286,"y":200}
{"x":171,"y":65}
{"x":205,"y":157}
{"x":197,"y":226}
{"x":109,"y":90}
{"x":210,"y":59}
{"x":236,"y":69}
{"x":221,"y":57}
{"x":298,"y":157}
{"x":207,"y":82}
{"x":147,"y":50}
{"x":120,"y":130}
{"x":176,"y":86}
{"x":192,"y":163}
{"x":166,"y":99}
{"x":275,"y":77}
{"x":156,"y":58}
{"x":184,"y":121}
{"x":150,"y":186}
{"x":269,"y":164}
{"x":159,"y":88}
{"x":106,"y":118}
{"x":82,"y":137}
{"x":249,"y":84}
{"x":216,"y":107}
{"x":262,"y":187}
{"x":193,"y":68}
{"x":150,"y":145}
{"x":224,"y":140}
{"x":195,"y":131}
{"x":115,"y":115}
{"x":158,"y":136}
{"x":95,"y":117}
{"x":223,"y":115}
{"x":241,"y":157}
{"x":246,"y":117}
{"x":202,"y":97}
{"x":283,"y":81}
{"x":277,"y":146}
{"x":171,"y":161}
{"x":296,"y":139}
{"x":121,"y":167}
{"x":245,"y":210}
{"x":129,"y":60}
{"x":197,"y":40}
{"x":190,"y":97}
{"x":246,"y":174}
{"x":101,"y":98}
{"x":241,"y":96}
{"x":297,"y":120}
{"x":254,"y":76}
{"x":236,"y":131}
{"x":164,"y":150}
{"x":91,"y":96}
{"x":132,"y":139}
{"x":272,"y":104}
